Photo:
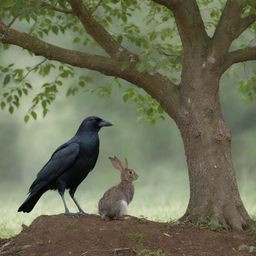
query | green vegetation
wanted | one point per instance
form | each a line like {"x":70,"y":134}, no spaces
{"x":138,"y":237}
{"x":140,"y":249}
{"x":147,"y":252}
{"x":146,"y":28}
{"x":211,"y":224}
{"x":252,"y":248}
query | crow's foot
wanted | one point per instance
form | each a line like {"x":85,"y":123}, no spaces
{"x":86,"y":214}
{"x":73,"y":214}
{"x":82,"y":213}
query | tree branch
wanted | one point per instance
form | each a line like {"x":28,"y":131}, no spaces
{"x":66,"y":11}
{"x":76,"y":58}
{"x":167,"y":3}
{"x":13,"y":20}
{"x":34,"y":68}
{"x":245,"y":23}
{"x":98,"y":32}
{"x":240,"y":55}
{"x":189,"y":22}
{"x":158,"y":86}
{"x":231,"y":25}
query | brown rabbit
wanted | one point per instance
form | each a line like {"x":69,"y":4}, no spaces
{"x":114,"y":202}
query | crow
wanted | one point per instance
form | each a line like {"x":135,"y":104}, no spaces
{"x":69,"y":165}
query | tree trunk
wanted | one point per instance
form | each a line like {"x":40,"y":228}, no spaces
{"x":214,"y":194}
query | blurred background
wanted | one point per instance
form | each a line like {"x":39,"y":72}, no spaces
{"x":154,"y":151}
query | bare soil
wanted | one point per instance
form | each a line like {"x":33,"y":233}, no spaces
{"x":88,"y":235}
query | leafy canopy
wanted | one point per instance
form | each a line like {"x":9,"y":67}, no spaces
{"x":144,"y":27}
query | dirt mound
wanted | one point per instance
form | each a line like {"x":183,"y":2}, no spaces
{"x":88,"y":235}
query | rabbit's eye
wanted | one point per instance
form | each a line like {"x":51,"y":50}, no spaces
{"x":130,"y":172}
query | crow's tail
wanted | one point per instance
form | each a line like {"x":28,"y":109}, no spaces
{"x":31,"y":201}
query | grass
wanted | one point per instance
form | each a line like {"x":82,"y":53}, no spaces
{"x":140,"y":249}
{"x":156,"y":198}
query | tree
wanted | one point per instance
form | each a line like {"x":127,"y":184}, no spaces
{"x":173,"y":50}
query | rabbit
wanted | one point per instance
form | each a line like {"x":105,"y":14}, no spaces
{"x":115,"y":200}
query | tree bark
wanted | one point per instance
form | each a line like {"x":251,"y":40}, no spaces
{"x":214,"y":194}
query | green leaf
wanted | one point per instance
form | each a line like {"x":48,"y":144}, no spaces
{"x":9,"y":98}
{"x":25,"y":91}
{"x":126,"y":97}
{"x":19,"y":92}
{"x":55,"y":29}
{"x":76,"y":40}
{"x":44,"y":104}
{"x":252,"y":249}
{"x":7,"y":79}
{"x":11,"y":109}
{"x":45,"y":111}
{"x":34,"y":115}
{"x":3,"y":104}
{"x":119,"y":39}
{"x":81,"y":83}
{"x":28,"y":85}
{"x":26,"y":118}
{"x":141,"y":67}
{"x":6,"y":46}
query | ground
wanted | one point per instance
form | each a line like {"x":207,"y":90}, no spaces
{"x":90,"y":236}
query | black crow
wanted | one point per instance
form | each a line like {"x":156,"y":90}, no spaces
{"x":69,"y":165}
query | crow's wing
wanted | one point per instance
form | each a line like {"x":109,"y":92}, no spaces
{"x":61,"y":159}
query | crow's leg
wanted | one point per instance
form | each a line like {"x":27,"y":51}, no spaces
{"x":67,"y":212}
{"x":72,"y":193}
{"x":61,"y":191}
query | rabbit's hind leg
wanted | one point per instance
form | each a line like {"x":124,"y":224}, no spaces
{"x":123,"y":208}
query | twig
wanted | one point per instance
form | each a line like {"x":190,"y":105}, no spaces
{"x":34,"y":68}
{"x":66,"y":11}
{"x":13,"y":20}
{"x":96,"y":7}
{"x":2,"y":35}
{"x":115,"y":251}
{"x":2,"y":248}
{"x":32,"y":28}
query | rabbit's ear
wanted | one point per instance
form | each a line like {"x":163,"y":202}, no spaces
{"x":116,"y":163}
{"x":125,"y":163}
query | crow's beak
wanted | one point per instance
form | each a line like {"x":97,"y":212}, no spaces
{"x":105,"y":123}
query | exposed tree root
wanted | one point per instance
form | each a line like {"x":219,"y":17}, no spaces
{"x":229,"y":217}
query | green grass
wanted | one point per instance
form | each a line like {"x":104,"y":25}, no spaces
{"x":139,"y":247}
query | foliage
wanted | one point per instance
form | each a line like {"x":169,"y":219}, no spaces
{"x":148,"y":252}
{"x":248,"y":88}
{"x":211,"y":224}
{"x":16,"y":85}
{"x":252,"y":249}
{"x":148,"y":108}
{"x":140,"y":249}
{"x":11,"y":95}
{"x":148,"y":29}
